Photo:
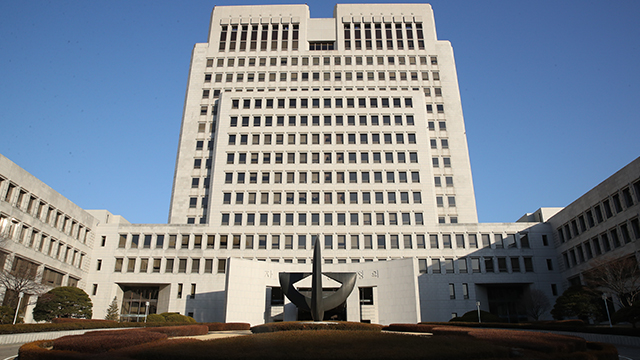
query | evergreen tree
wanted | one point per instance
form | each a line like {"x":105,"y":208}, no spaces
{"x":112,"y":312}
{"x":64,"y":302}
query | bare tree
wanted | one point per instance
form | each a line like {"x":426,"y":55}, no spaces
{"x":20,"y":277}
{"x":620,"y":277}
{"x":536,"y":304}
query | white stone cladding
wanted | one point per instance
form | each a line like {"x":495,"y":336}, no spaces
{"x":318,"y":130}
{"x":600,"y":226}
{"x":42,"y":229}
{"x":398,"y":56}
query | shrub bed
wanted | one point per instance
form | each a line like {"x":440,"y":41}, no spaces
{"x":185,"y":330}
{"x":563,"y":325}
{"x":101,"y":341}
{"x":303,"y":325}
{"x":39,"y":350}
{"x":321,"y":344}
{"x":85,"y":321}
{"x":324,"y":344}
{"x":420,"y":328}
{"x":543,"y":342}
{"x":228,"y":326}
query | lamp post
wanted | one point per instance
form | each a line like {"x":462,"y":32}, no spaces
{"x":15,"y":317}
{"x":146,"y":312}
{"x":606,"y":306}
{"x":478,"y":307}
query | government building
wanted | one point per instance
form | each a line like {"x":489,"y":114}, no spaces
{"x":344,"y":132}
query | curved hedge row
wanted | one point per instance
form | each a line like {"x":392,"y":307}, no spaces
{"x":185,"y":330}
{"x":102,"y":341}
{"x":304,"y":325}
{"x":227,"y":326}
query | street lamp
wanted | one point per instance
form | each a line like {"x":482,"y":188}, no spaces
{"x":146,"y":312}
{"x":478,"y":307}
{"x":606,"y":306}
{"x":20,"y":296}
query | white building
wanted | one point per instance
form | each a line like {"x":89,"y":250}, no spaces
{"x":346,"y":130}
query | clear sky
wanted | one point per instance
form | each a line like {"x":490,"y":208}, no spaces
{"x":91,"y":96}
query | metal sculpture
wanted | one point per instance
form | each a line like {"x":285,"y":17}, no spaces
{"x":317,"y":304}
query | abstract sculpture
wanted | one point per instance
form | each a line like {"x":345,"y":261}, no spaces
{"x":317,"y":304}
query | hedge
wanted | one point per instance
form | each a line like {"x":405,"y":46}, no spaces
{"x":228,"y":326}
{"x":476,"y":344}
{"x":102,"y":341}
{"x":86,"y":321}
{"x":39,"y":350}
{"x":303,"y":325}
{"x":563,"y":325}
{"x":419,"y":328}
{"x":185,"y":330}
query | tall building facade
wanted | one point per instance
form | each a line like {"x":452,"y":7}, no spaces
{"x":306,"y":118}
{"x":344,"y":132}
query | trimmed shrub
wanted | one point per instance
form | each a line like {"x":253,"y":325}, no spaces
{"x":228,"y":326}
{"x":177,"y":318}
{"x":472,"y":316}
{"x":304,"y":325}
{"x":572,"y":322}
{"x":39,"y":350}
{"x":86,"y":321}
{"x":543,"y":342}
{"x":420,"y":328}
{"x":187,"y":330}
{"x":102,"y":341}
{"x":602,"y":351}
{"x":153,"y":318}
{"x":6,"y":315}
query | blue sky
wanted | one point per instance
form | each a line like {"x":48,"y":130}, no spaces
{"x":91,"y":96}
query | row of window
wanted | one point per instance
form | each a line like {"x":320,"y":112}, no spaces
{"x":28,"y":270}
{"x":613,"y":238}
{"x":431,"y":265}
{"x":29,"y":203}
{"x":204,"y":109}
{"x":166,"y":265}
{"x":313,"y":177}
{"x":327,"y":120}
{"x":453,"y":219}
{"x":342,"y":241}
{"x":600,"y":212}
{"x":12,"y":229}
{"x":399,"y":157}
{"x":437,"y":180}
{"x":498,"y":264}
{"x":258,"y":37}
{"x":329,"y":219}
{"x":324,"y":61}
{"x":327,"y":139}
{"x":369,"y":36}
{"x":335,"y":76}
{"x":328,"y":197}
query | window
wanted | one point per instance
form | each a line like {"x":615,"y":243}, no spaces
{"x":222,"y":266}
